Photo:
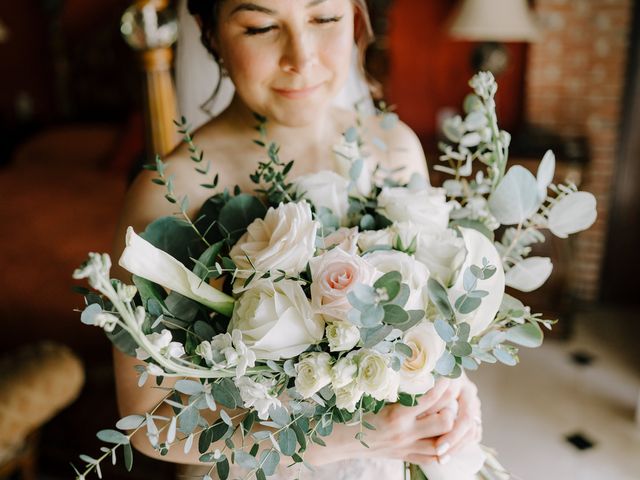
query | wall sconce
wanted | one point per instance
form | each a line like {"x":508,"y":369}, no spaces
{"x":4,"y":32}
{"x":493,"y":22}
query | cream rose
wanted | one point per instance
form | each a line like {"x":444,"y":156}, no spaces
{"x":426,"y":207}
{"x":375,"y":238}
{"x":342,"y":336}
{"x":326,"y":189}
{"x":376,"y":377}
{"x":276,"y":320}
{"x":344,"y":371}
{"x":442,"y":252}
{"x":313,"y":373}
{"x":283,"y":240}
{"x":416,"y":374}
{"x":347,"y":397}
{"x":414,"y":274}
{"x":334,"y":275}
{"x":344,"y":238}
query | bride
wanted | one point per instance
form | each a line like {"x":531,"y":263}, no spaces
{"x":288,"y":61}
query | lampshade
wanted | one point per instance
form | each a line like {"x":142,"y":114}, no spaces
{"x":4,"y":32}
{"x":494,"y":21}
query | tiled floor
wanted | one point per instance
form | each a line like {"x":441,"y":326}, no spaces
{"x":529,"y":410}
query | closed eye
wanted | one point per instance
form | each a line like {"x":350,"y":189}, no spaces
{"x":324,"y":20}
{"x":258,"y":30}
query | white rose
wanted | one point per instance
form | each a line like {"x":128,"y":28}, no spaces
{"x":442,"y":252}
{"x":375,"y":238}
{"x":346,"y":154}
{"x":344,"y":238}
{"x":276,"y":320}
{"x":416,"y":374}
{"x":313,"y":373}
{"x":334,"y":275}
{"x":347,"y":397}
{"x":162,"y":344}
{"x":426,"y":207}
{"x":344,"y":371}
{"x":376,"y":377}
{"x":414,"y":274}
{"x":283,"y":240}
{"x":406,"y":236}
{"x":342,"y":336}
{"x":326,"y":189}
{"x":257,"y":395}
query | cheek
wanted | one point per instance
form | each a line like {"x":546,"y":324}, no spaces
{"x":248,"y":65}
{"x":337,"y":51}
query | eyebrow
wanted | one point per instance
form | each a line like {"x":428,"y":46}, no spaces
{"x":252,"y":7}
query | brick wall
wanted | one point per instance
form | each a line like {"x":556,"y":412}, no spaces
{"x":575,"y":84}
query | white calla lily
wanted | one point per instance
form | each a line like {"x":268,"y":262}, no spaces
{"x":463,"y":465}
{"x":478,"y":247}
{"x":141,"y":258}
{"x":573,"y":213}
{"x":529,"y":274}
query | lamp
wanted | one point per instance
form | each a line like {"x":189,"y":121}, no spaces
{"x":4,"y":32}
{"x":492,"y":22}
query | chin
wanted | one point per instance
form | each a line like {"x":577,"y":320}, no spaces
{"x":299,"y":113}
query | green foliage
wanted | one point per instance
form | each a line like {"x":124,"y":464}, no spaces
{"x":236,"y":215}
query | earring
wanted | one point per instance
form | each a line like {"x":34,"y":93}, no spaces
{"x":223,"y":71}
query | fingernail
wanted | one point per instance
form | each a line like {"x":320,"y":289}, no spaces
{"x":444,"y":460}
{"x":442,"y":449}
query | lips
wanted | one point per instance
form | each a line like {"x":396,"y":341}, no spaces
{"x":296,"y":93}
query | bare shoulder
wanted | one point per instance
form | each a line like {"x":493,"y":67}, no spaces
{"x":395,"y":145}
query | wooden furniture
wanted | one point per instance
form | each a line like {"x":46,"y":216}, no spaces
{"x":150,"y":28}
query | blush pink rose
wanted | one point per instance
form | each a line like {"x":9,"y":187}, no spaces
{"x":334,"y":275}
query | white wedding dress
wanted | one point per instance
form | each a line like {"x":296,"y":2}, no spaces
{"x":196,"y":77}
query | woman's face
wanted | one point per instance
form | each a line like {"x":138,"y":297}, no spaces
{"x":288,"y":59}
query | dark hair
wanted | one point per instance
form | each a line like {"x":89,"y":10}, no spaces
{"x":208,"y":10}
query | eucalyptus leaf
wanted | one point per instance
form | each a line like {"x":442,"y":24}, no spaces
{"x":515,"y":198}
{"x":445,"y":364}
{"x":245,"y":460}
{"x":491,"y":339}
{"x":279,"y":415}
{"x":444,"y":329}
{"x":546,"y":171}
{"x":370,"y":337}
{"x":529,"y":274}
{"x":573,"y":213}
{"x":528,"y":335}
{"x":438,"y":295}
{"x":504,"y":356}
{"x":113,"y":436}
{"x":238,"y":213}
{"x":130,"y":422}
{"x":175,"y":237}
{"x":287,"y":442}
{"x":269,"y":459}
{"x":189,"y":387}
{"x":394,"y":315}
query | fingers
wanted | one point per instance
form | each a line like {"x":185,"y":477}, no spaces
{"x":466,"y":428}
{"x":436,"y":424}
{"x":431,"y":398}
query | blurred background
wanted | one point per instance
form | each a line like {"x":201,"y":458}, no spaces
{"x":74,"y":102}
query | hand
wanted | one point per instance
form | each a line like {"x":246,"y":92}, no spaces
{"x":461,"y":397}
{"x":408,"y":433}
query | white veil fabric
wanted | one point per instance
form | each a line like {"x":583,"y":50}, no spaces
{"x":197,"y":75}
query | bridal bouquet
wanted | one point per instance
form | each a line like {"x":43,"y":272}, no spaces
{"x":319,"y":300}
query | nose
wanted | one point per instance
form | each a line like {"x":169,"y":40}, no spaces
{"x":299,"y":54}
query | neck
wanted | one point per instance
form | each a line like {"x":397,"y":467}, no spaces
{"x":312,"y":135}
